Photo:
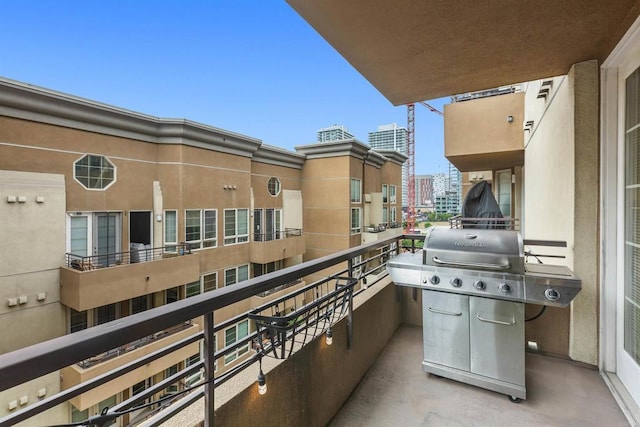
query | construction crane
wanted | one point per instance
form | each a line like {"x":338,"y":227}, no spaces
{"x":411,"y":162}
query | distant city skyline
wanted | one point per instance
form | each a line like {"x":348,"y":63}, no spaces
{"x":254,"y":68}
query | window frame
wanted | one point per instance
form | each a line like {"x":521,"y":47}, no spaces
{"x":88,"y":177}
{"x":240,"y":351}
{"x":171,"y":245}
{"x":277,"y":186}
{"x":207,"y":234}
{"x":203,"y":284}
{"x":385,"y":193}
{"x":392,"y":194}
{"x":355,"y":192}
{"x":236,"y":270}
{"x":237,"y":237}
{"x":358,"y":228}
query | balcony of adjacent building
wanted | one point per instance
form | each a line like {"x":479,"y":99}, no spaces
{"x":485,"y":130}
{"x":332,"y":352}
{"x":93,"y":281}
{"x":277,"y":245}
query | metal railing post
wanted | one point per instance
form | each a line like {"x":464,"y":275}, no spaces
{"x":209,"y":362}
{"x":350,"y":321}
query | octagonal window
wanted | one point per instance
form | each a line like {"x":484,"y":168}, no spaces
{"x":94,"y":172}
{"x":273,"y":186}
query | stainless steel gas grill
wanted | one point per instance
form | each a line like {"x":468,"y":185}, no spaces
{"x":475,"y":282}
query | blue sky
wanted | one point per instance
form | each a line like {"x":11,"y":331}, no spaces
{"x":252,"y":67}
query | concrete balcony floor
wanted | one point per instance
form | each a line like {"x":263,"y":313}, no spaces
{"x":396,"y":391}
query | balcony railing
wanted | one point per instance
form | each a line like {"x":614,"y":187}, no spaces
{"x":275,"y":235}
{"x":134,"y":345}
{"x":93,"y":262}
{"x":21,"y":366}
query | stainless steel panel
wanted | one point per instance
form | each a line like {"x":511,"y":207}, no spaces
{"x":406,"y":269}
{"x":446,"y":328}
{"x":550,"y":285}
{"x":497,"y":339}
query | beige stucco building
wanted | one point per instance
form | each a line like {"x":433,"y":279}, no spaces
{"x":108,"y":212}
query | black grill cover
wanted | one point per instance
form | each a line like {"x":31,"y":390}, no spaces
{"x":480,"y":203}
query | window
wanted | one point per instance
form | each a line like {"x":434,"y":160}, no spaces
{"x":392,"y":194}
{"x":631,"y":311}
{"x":96,"y":234}
{"x":171,"y":295}
{"x":200,"y":228}
{"x":191,"y":289}
{"x":260,"y":269}
{"x":355,"y":220}
{"x":385,"y":215}
{"x":171,"y":370}
{"x":234,"y":334}
{"x":209,"y":282}
{"x":273,"y":186}
{"x":77,"y":415}
{"x":140,"y":304}
{"x":503,"y":191}
{"x":139,"y":387}
{"x":104,"y":314}
{"x":385,"y":193}
{"x":171,"y":229}
{"x":77,"y":320}
{"x":94,"y":172}
{"x":210,"y":229}
{"x":356,"y":197}
{"x":236,"y":226}
{"x":236,"y":274}
{"x":197,"y":377}
{"x":393,"y":214}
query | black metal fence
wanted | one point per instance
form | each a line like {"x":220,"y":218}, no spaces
{"x":93,"y":262}
{"x":26,"y":364}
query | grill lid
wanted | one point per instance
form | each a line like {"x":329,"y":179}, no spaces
{"x":494,"y":250}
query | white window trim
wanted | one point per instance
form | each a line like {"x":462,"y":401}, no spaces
{"x":199,"y":244}
{"x":393,"y":198}
{"x":358,"y":196}
{"x":115,"y":172}
{"x":237,"y":238}
{"x":236,"y":268}
{"x":358,"y":229}
{"x":202,"y":280}
{"x":385,"y":193}
{"x":164,"y":228}
{"x":234,"y":355}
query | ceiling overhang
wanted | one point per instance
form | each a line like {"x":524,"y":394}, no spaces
{"x":420,"y":50}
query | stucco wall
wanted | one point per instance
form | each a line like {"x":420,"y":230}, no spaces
{"x":311,"y":386}
{"x":560,"y":203}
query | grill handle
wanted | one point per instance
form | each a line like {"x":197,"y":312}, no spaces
{"x":481,"y":265}
{"x":498,"y":322}
{"x":449,"y":313}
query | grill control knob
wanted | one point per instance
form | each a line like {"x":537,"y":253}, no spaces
{"x":552,"y":294}
{"x":434,"y":280}
{"x":504,"y":288}
{"x":479,"y":285}
{"x":456,"y":282}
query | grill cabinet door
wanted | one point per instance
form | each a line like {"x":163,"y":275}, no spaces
{"x":497,"y":339}
{"x":446,"y":329}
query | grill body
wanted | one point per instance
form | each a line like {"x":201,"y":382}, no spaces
{"x":474,"y":285}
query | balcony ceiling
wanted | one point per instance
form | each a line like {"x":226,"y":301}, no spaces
{"x":420,"y":50}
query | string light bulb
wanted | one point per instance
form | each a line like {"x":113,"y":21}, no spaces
{"x":262,"y":380}
{"x":329,"y":337}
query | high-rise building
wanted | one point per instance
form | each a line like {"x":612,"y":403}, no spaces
{"x":424,"y":191}
{"x":440,"y":184}
{"x":392,"y":137}
{"x":334,"y":133}
{"x":455,"y":186}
